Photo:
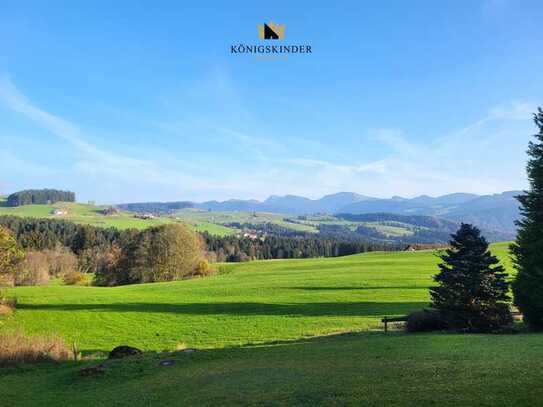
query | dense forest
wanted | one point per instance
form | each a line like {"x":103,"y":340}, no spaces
{"x":233,"y":248}
{"x":39,"y":196}
{"x":43,"y":234}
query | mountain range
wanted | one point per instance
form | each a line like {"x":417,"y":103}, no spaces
{"x":492,"y":212}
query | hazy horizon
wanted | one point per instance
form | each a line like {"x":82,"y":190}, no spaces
{"x":282,"y":196}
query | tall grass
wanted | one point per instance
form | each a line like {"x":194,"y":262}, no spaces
{"x":16,"y":348}
{"x":7,"y":305}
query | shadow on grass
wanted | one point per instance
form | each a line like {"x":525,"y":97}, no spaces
{"x":94,"y":356}
{"x":244,"y":308}
{"x":353,"y":288}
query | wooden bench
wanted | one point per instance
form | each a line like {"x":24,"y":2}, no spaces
{"x":386,"y":320}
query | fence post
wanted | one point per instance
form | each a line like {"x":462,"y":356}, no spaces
{"x":75,"y":351}
{"x":385,"y":320}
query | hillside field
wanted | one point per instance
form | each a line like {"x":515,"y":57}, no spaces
{"x":302,"y":332}
{"x":247,"y":303}
{"x":305,"y":223}
{"x":92,"y":215}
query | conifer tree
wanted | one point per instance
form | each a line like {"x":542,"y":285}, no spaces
{"x":528,"y":247}
{"x":472,"y":291}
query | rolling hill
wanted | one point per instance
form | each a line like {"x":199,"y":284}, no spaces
{"x":246,"y":303}
{"x":297,"y":332}
{"x":94,"y":215}
{"x":496,"y":213}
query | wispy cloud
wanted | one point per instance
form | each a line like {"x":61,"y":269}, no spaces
{"x":484,"y":156}
{"x":92,"y":160}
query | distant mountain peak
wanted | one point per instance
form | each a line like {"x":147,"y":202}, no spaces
{"x":493,"y":212}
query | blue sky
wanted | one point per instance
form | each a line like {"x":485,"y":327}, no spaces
{"x":142,"y":101}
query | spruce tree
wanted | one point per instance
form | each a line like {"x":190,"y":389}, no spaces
{"x":528,"y":248}
{"x":472,"y":291}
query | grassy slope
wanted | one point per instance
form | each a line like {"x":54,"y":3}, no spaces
{"x":309,"y":223}
{"x":255,"y":302}
{"x":91,"y":215}
{"x":263,"y":302}
{"x":367,"y":369}
{"x":221,"y":218}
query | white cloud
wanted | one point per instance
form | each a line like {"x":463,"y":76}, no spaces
{"x":483,"y":157}
{"x":92,"y":161}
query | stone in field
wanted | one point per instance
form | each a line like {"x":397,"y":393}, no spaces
{"x":121,"y":352}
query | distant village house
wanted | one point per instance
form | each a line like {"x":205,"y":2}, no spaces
{"x":251,"y":234}
{"x":422,"y":246}
{"x":60,"y":212}
{"x":144,"y":216}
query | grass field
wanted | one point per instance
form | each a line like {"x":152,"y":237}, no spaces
{"x":306,"y":223}
{"x":353,"y":370}
{"x":289,"y":316}
{"x":248,"y":303}
{"x":222,"y":218}
{"x":92,"y":215}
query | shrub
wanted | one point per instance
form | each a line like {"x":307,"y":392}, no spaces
{"x":204,"y":269}
{"x":75,"y":278}
{"x":61,"y":260}
{"x":17,"y":348}
{"x":5,"y":310}
{"x":7,"y":305}
{"x":34,"y":270}
{"x":7,"y":280}
{"x":210,"y":256}
{"x":88,"y":260}
{"x":166,"y":253}
{"x":425,"y":321}
{"x":109,"y":271}
{"x":11,"y":254}
{"x":489,"y":319}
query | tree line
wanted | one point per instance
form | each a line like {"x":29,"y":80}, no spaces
{"x":39,"y":196}
{"x":43,"y":234}
{"x":163,"y":253}
{"x":234,"y":249}
{"x":61,"y":248}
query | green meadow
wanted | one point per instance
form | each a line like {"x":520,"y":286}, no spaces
{"x":297,"y":332}
{"x":306,"y":223}
{"x":222,"y":218}
{"x":92,"y":215}
{"x":246,"y":303}
{"x":370,"y":369}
